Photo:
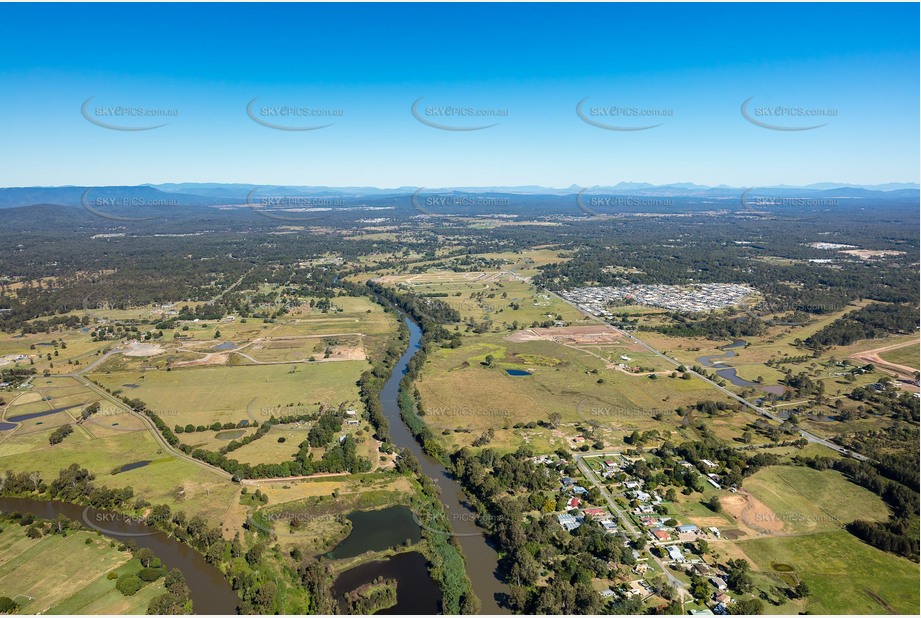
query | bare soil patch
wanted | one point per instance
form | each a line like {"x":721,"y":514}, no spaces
{"x":873,"y":356}
{"x":754,"y":516}
{"x":866,"y":254}
{"x":143,"y":349}
{"x":593,"y":334}
{"x":215,"y":358}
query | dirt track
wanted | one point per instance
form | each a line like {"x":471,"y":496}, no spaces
{"x":872,"y":356}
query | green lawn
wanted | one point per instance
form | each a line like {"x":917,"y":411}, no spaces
{"x":808,"y":500}
{"x":459,"y":392}
{"x":101,"y":596}
{"x":176,"y":482}
{"x":493,"y":296}
{"x":909,"y":355}
{"x":845,"y":576}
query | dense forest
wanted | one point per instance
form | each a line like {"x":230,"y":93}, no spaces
{"x":874,"y":320}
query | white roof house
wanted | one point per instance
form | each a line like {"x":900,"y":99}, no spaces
{"x":675,"y":553}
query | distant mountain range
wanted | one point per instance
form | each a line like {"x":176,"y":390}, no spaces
{"x":218,"y":194}
{"x":622,"y":188}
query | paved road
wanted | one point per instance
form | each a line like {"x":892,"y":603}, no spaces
{"x":622,"y":515}
{"x":623,"y":518}
{"x":166,"y":446}
{"x":900,"y":372}
{"x":802,"y":432}
{"x":94,"y":364}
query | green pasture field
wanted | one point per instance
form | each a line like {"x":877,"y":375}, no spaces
{"x":176,"y":482}
{"x":808,"y":500}
{"x":209,"y":441}
{"x":908,"y":356}
{"x":203,"y":395}
{"x":526,"y":262}
{"x":459,"y":392}
{"x":67,"y":575}
{"x":844,"y":575}
{"x":79,"y":348}
{"x":268,"y":449}
{"x":53,"y":393}
{"x":778,"y":344}
{"x":462,"y":289}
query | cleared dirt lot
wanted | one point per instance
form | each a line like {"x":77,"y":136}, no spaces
{"x":594,"y":334}
{"x":143,"y":349}
{"x":447,"y":277}
{"x":207,"y":359}
{"x":755,"y":517}
{"x":873,"y":356}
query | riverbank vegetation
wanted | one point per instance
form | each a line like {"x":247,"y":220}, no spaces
{"x":67,"y":568}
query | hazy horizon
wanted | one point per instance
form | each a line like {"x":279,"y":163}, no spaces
{"x":817,"y":186}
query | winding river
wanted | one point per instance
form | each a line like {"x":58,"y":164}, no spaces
{"x":211,"y":594}
{"x":482,"y":559}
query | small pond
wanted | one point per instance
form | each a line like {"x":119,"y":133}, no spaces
{"x":26,"y":417}
{"x":134,"y":466}
{"x":417,"y":593}
{"x":377,"y":530}
{"x":230,"y":434}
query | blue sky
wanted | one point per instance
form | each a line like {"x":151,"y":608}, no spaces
{"x":688,"y":68}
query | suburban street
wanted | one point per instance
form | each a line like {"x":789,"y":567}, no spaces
{"x":623,"y":517}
